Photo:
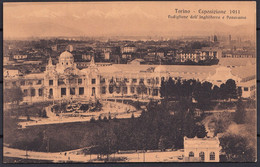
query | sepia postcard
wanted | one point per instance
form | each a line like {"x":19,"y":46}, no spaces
{"x":97,"y":82}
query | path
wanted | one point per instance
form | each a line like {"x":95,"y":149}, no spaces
{"x":118,"y":110}
{"x":167,"y":156}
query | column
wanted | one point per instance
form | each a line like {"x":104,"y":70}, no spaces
{"x":67,"y":91}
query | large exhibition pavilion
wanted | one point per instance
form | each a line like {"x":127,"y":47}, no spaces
{"x":65,"y":81}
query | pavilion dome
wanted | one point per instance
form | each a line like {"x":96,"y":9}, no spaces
{"x":66,"y":56}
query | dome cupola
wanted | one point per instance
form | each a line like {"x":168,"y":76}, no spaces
{"x":66,"y":59}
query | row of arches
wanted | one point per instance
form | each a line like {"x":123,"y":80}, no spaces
{"x":202,"y":155}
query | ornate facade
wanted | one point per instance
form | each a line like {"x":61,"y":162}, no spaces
{"x":65,"y":81}
{"x":201,"y":149}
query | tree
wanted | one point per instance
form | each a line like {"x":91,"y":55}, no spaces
{"x":104,"y":142}
{"x":162,"y":143}
{"x":202,"y":93}
{"x":223,"y":93}
{"x":237,"y":149}
{"x":13,"y":95}
{"x":221,"y":122}
{"x":92,"y":119}
{"x":240,"y":114}
{"x":112,"y":86}
{"x":105,"y":119}
{"x":215,"y":93}
{"x":239,"y":92}
{"x":231,"y":89}
{"x":44,"y":114}
{"x":122,"y":86}
{"x":200,"y":131}
{"x":163,"y":89}
{"x":141,"y":88}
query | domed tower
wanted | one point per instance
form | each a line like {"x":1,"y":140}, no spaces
{"x":66,"y":59}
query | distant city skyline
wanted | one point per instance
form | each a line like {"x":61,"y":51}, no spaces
{"x":94,"y":19}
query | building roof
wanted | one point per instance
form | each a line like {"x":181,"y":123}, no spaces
{"x":244,"y":71}
{"x":129,"y":45}
{"x":236,"y":61}
{"x":160,"y":69}
{"x":201,"y":142}
{"x":66,"y":55}
{"x":34,"y":76}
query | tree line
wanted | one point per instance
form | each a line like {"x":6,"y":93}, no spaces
{"x":158,"y":128}
{"x":202,"y":92}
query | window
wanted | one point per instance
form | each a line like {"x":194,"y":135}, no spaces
{"x":155,"y":92}
{"x":72,"y":81}
{"x":93,"y":81}
{"x":39,"y":82}
{"x":102,"y":80}
{"x":29,"y":83}
{"x":125,"y":79}
{"x":61,"y":82}
{"x":134,"y":80}
{"x":202,"y":156}
{"x":25,"y":92}
{"x":245,"y":88}
{"x":32,"y":92}
{"x":118,"y":90}
{"x":79,"y":81}
{"x":50,"y":82}
{"x":22,"y":83}
{"x":51,"y":92}
{"x":139,"y":91}
{"x":81,"y":91}
{"x":145,"y":90}
{"x":132,"y":89}
{"x":212,"y":156}
{"x":252,"y":87}
{"x":40,"y":92}
{"x":157,"y":80}
{"x":141,"y":80}
{"x":93,"y":91}
{"x":124,"y":90}
{"x":14,"y":83}
{"x":191,"y":154}
{"x":72,"y":91}
{"x":63,"y":91}
{"x":103,"y":90}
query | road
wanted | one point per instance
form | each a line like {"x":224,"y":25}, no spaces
{"x":73,"y":156}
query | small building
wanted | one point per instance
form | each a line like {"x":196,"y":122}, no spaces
{"x":129,"y":48}
{"x":127,"y":56}
{"x":19,"y":57}
{"x":201,"y":149}
{"x":11,"y":73}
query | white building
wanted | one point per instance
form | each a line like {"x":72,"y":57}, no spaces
{"x":19,"y":57}
{"x":201,"y":149}
{"x":129,"y":48}
{"x":65,"y":81}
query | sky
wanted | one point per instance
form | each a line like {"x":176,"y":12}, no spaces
{"x":43,"y":19}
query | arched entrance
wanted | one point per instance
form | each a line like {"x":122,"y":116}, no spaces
{"x":93,"y":91}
